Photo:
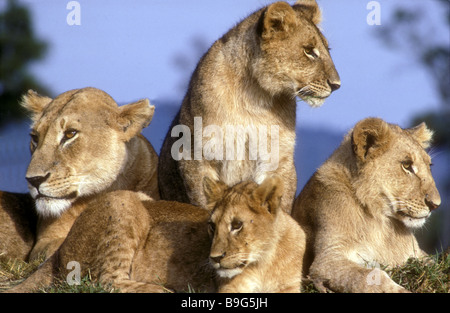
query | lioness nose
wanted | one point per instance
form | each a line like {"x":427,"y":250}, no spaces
{"x":431,"y":203}
{"x":334,"y":85}
{"x":36,"y":181}
{"x":217,"y":259}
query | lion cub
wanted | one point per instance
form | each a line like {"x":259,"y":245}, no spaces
{"x":238,"y":117}
{"x":363,"y":204}
{"x":83,"y":144}
{"x":257,"y":247}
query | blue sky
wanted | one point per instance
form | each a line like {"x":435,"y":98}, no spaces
{"x":127,"y":48}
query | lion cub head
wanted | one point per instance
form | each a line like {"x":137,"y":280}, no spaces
{"x":78,"y":144}
{"x":393,"y":166}
{"x":293,"y":55}
{"x":241,"y":223}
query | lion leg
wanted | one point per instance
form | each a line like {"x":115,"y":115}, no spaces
{"x":346,"y":276}
{"x":125,"y":232}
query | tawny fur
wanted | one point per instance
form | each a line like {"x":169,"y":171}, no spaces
{"x":17,"y":225}
{"x":83,"y":144}
{"x":136,"y":244}
{"x":361,"y":206}
{"x":251,"y":77}
{"x":257,"y":247}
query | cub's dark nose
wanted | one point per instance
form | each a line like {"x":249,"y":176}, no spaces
{"x":36,"y":181}
{"x":217,"y":259}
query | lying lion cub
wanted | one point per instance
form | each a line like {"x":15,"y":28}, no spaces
{"x":241,"y":97}
{"x":140,"y":245}
{"x":82,"y":145}
{"x":362,"y":205}
{"x":257,"y":247}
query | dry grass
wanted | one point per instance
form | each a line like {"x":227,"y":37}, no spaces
{"x":13,"y":272}
{"x":418,"y":276}
{"x":424,"y":277}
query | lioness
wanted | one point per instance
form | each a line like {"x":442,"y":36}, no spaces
{"x":82,"y":145}
{"x":257,"y":247}
{"x":140,"y":245}
{"x":244,"y":89}
{"x":363,"y":204}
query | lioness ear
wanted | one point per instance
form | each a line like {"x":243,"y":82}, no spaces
{"x":370,"y":138}
{"x":34,"y":103}
{"x":311,"y":9}
{"x":213,"y":191}
{"x":422,"y":134}
{"x":134,"y":117}
{"x":269,"y":193}
{"x":278,"y":19}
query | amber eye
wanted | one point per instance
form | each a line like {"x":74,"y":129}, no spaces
{"x":236,"y":225}
{"x":407,"y":165}
{"x":69,"y":134}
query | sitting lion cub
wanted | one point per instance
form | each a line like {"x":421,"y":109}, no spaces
{"x":140,"y":245}
{"x":82,"y":145}
{"x":362,"y":205}
{"x":257,"y":247}
{"x":238,"y":115}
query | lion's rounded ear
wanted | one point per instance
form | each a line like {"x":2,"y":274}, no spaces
{"x":422,"y":134}
{"x":34,"y":103}
{"x":278,"y":19}
{"x":134,"y":117}
{"x":269,"y":193}
{"x":213,"y":190}
{"x":370,"y":138}
{"x":311,"y":10}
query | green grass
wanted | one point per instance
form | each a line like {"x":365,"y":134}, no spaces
{"x":86,"y":286}
{"x":420,"y":276}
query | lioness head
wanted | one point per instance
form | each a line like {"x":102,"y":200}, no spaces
{"x":241,"y":223}
{"x":78,"y":144}
{"x":394,"y":166}
{"x":294,"y":55}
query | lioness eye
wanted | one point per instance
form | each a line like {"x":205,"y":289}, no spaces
{"x":407,"y":166}
{"x":69,"y":134}
{"x":236,"y":225}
